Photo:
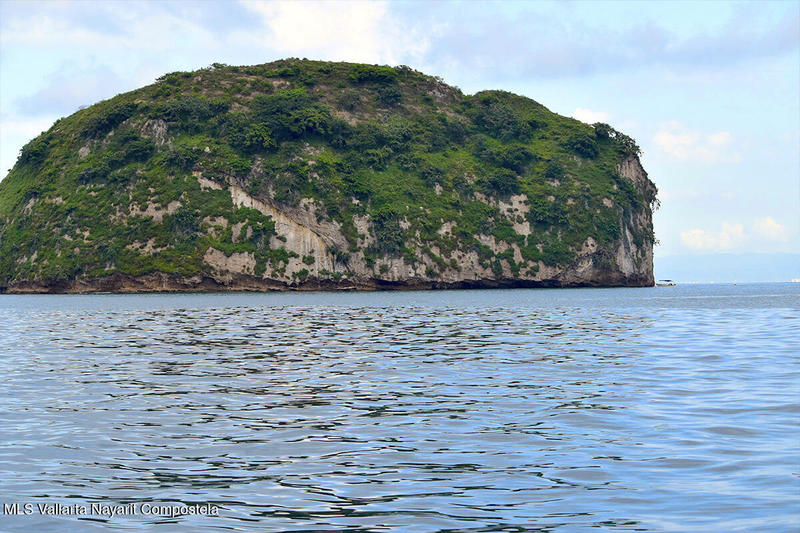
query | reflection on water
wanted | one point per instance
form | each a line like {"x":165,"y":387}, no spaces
{"x":543,"y":410}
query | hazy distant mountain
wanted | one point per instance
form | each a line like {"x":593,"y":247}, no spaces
{"x":728,"y":267}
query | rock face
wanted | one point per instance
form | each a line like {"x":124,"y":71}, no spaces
{"x":313,"y":175}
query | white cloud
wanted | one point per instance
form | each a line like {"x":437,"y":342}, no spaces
{"x":684,"y":193}
{"x":69,"y":88}
{"x":729,"y":237}
{"x":687,"y":145}
{"x":769,"y":229}
{"x":723,"y":138}
{"x":25,"y":128}
{"x":15,"y":132}
{"x":44,"y":31}
{"x":343,"y":31}
{"x":590,"y":117}
{"x":133,"y":26}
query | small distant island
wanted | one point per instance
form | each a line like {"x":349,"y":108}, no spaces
{"x":311,"y":175}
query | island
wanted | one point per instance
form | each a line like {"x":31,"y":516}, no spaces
{"x":313,"y":175}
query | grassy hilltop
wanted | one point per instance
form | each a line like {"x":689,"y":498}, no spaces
{"x":307,"y":173}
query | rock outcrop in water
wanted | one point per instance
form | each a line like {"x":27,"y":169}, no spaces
{"x":313,"y":175}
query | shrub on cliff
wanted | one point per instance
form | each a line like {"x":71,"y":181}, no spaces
{"x":583,"y":144}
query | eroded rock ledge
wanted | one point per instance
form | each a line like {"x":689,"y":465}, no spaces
{"x":166,"y":283}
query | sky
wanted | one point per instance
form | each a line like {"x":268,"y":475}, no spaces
{"x":710,"y":90}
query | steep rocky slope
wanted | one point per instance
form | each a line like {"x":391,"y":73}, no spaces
{"x":307,"y":174}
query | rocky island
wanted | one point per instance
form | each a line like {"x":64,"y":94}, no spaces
{"x":302,"y":174}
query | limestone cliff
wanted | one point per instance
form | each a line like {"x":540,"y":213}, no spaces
{"x":313,"y":175}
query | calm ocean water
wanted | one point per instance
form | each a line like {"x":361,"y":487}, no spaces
{"x":660,"y":409}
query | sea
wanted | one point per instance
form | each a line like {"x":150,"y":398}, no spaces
{"x":624,"y":409}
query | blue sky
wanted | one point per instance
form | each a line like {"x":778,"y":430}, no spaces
{"x":710,"y":90}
